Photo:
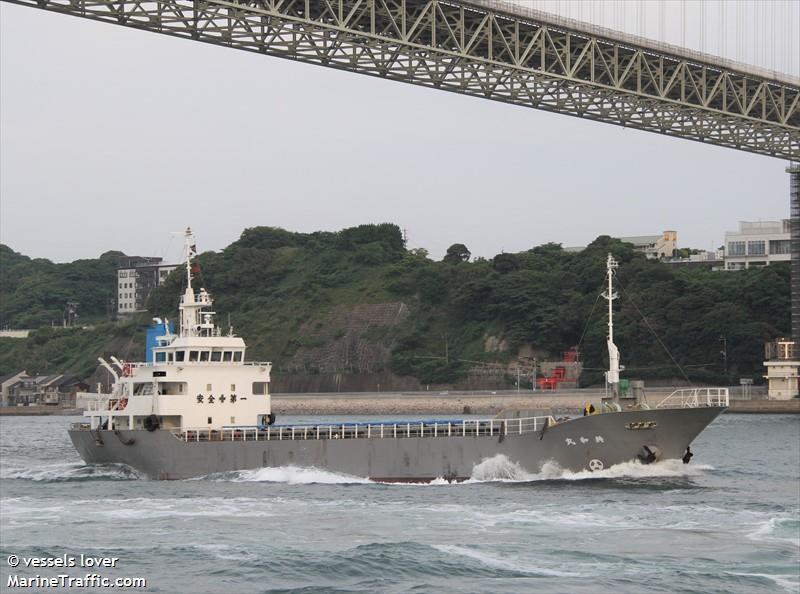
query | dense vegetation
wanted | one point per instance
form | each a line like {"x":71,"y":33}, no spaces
{"x":35,"y":292}
{"x":276,"y":285}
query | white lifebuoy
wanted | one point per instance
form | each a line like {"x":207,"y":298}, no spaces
{"x":595,"y":465}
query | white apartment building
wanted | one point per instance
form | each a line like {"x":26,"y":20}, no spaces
{"x":757,"y":243}
{"x":136,"y":277}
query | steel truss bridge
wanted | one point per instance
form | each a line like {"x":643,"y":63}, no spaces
{"x":494,"y":50}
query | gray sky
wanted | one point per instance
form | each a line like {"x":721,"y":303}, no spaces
{"x":111,"y":138}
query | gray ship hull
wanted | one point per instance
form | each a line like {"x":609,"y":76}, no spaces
{"x":591,"y":442}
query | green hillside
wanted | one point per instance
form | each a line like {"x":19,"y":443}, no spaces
{"x":357,"y":301}
{"x":34,"y":292}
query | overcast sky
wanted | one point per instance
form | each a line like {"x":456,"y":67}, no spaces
{"x":111,"y":138}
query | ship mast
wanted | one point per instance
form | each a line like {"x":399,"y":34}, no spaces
{"x":612,"y":375}
{"x":191,"y":305}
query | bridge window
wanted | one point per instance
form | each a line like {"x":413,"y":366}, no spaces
{"x":179,"y":355}
{"x":226,"y":356}
{"x":161,"y":357}
{"x":171,"y":388}
{"x":193,"y":356}
{"x":169,"y":357}
{"x":209,"y":420}
{"x":780,"y":246}
{"x":204,"y":355}
{"x":237,"y":356}
{"x":756,"y":248}
{"x":736,"y":248}
{"x":216,"y":356}
{"x":259,"y":388}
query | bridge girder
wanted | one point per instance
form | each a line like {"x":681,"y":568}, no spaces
{"x":466,"y":46}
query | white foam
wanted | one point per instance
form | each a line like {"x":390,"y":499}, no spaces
{"x":500,"y":468}
{"x":632,"y":469}
{"x":32,"y":511}
{"x":787,"y":582}
{"x":782,"y":530}
{"x":69,"y":471}
{"x":438,"y":481}
{"x":292,"y":475}
{"x":497,"y":563}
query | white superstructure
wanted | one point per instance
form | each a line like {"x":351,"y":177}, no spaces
{"x":198,"y":377}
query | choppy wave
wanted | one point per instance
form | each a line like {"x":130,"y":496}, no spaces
{"x":393,"y":560}
{"x":496,"y":562}
{"x":500,"y":468}
{"x":780,"y":529}
{"x":71,"y":472}
{"x":293,"y":475}
{"x":789,"y":583}
{"x":495,"y":469}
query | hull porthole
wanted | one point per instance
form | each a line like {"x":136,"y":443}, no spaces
{"x":595,"y":465}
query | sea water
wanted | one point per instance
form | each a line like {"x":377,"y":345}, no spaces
{"x":729,"y":522}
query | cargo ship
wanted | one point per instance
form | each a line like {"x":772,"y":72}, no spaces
{"x":196,"y":406}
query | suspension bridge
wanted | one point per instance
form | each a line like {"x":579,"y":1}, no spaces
{"x":505,"y":51}
{"x":496,"y":50}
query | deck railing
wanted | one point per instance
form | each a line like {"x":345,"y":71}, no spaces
{"x":696,"y":397}
{"x":392,"y":430}
{"x":107,"y":404}
{"x":145,"y":364}
{"x":101,"y":404}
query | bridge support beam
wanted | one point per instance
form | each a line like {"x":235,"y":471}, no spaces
{"x":492,"y":50}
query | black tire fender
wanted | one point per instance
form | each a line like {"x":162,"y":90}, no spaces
{"x":152,"y":423}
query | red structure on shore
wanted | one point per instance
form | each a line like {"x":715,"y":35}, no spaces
{"x":566,"y":372}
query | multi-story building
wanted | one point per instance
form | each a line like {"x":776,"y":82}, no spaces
{"x":654,"y":246}
{"x":757,"y":243}
{"x":136,"y":277}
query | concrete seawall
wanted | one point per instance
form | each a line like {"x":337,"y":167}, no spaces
{"x":372,"y":404}
{"x":438,"y":404}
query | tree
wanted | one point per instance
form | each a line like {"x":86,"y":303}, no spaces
{"x":457,"y":253}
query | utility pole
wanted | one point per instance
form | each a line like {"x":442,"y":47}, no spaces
{"x":111,"y":307}
{"x":70,"y":313}
{"x":724,"y":352}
